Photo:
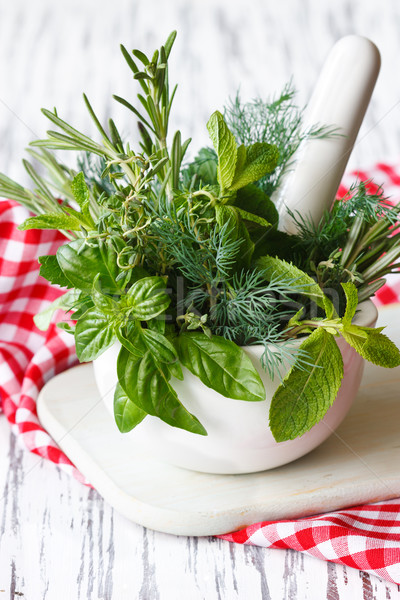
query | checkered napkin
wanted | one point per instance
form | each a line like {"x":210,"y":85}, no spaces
{"x":365,"y":537}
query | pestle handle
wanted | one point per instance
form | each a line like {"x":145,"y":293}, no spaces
{"x":340,"y":99}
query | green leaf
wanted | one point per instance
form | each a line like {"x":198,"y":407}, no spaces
{"x":307,"y":285}
{"x":93,"y":335}
{"x":51,"y":270}
{"x":226,"y":214}
{"x":252,"y":199}
{"x":82,"y":196}
{"x":221,"y":365}
{"x":247,"y":216}
{"x":65,"y":302}
{"x":372,"y":345}
{"x":107,"y":305}
{"x":127,"y":414}
{"x":51,"y":221}
{"x":304,"y":396}
{"x":169,"y":43}
{"x":176,"y":370}
{"x":225,"y":146}
{"x":146,"y":384}
{"x":132,"y":341}
{"x":204,"y":167}
{"x":261,"y":158}
{"x":81,"y":264}
{"x":147,"y":298}
{"x":351,"y":302}
{"x":159,"y":346}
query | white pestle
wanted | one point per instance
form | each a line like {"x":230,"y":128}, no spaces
{"x":340,"y":99}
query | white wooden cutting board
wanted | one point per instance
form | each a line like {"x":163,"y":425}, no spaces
{"x":359,"y":463}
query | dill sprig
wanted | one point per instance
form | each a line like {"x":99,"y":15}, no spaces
{"x":278,"y":121}
{"x":202,"y":254}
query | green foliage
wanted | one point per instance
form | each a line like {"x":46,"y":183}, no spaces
{"x":51,"y":270}
{"x":146,"y":383}
{"x":66,"y":302}
{"x":225,"y":146}
{"x":146,"y":299}
{"x":304,"y":397}
{"x":184,"y":264}
{"x":307,"y":286}
{"x":127,"y":414}
{"x":238,"y":166}
{"x":277,"y":121}
{"x":93,"y":335}
{"x":220,"y":365}
{"x":51,"y":221}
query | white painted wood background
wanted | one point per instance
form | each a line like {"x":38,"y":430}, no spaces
{"x":58,"y":539}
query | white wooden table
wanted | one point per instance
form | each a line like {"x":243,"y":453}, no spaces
{"x":58,"y":539}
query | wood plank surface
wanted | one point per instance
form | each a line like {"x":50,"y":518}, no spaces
{"x":58,"y":539}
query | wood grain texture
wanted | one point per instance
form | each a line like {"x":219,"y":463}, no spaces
{"x":59,"y":540}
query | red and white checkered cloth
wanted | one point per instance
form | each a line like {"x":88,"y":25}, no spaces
{"x":366,"y":537}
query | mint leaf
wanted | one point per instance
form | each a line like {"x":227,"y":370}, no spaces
{"x":221,"y":365}
{"x":247,"y":216}
{"x":51,"y":270}
{"x":351,"y":302}
{"x":82,"y":196}
{"x":146,"y":383}
{"x":261,"y":158}
{"x":65,"y":302}
{"x":225,"y":146}
{"x":303,"y":282}
{"x":147,"y":298}
{"x":304,"y":397}
{"x":51,"y":221}
{"x":372,"y":345}
{"x":93,"y":335}
{"x":127,"y":415}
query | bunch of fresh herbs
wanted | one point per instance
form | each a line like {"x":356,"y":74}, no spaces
{"x":183,"y":264}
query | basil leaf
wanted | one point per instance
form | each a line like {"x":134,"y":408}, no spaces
{"x":81,"y":264}
{"x":127,"y":415}
{"x":147,"y":298}
{"x":146,"y":384}
{"x":135,"y":345}
{"x":93,"y":335}
{"x":372,"y":345}
{"x":261,"y":158}
{"x":51,"y":221}
{"x":156,"y":324}
{"x":159,"y":346}
{"x":65,"y":302}
{"x":221,"y":365}
{"x":304,"y":396}
{"x":104,"y":303}
{"x":226,"y":148}
{"x":51,"y":270}
{"x":176,"y":370}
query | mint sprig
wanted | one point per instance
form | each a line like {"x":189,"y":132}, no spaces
{"x":304,"y":396}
